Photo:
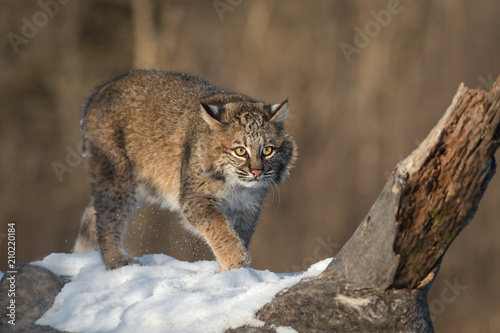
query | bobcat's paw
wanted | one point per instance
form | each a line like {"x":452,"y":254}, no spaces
{"x":121,"y":262}
{"x":234,"y":260}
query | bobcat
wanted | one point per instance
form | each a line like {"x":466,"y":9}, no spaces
{"x":176,"y":140}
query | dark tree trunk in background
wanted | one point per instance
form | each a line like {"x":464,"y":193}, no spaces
{"x":145,"y":35}
{"x":379,"y":281}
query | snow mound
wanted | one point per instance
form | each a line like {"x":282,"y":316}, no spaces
{"x":164,"y":295}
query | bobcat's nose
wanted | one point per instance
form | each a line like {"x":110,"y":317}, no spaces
{"x":256,"y":173}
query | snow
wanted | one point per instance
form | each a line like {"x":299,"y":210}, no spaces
{"x":164,"y":295}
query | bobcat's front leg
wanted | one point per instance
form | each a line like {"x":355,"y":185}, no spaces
{"x":205,"y":217}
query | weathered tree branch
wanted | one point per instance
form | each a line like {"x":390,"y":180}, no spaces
{"x":380,"y":279}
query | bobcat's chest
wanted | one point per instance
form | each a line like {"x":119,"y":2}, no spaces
{"x":241,"y":204}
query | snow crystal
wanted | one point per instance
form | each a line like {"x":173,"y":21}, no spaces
{"x":164,"y":295}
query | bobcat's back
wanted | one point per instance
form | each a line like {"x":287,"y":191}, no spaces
{"x":148,"y":117}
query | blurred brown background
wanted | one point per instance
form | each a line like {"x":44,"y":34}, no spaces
{"x":355,"y":114}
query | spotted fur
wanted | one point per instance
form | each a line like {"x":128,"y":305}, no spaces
{"x":174,"y":139}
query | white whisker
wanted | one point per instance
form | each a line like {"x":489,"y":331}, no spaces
{"x":275,"y":185}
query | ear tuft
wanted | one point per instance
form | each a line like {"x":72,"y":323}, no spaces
{"x":211,"y":114}
{"x":279,"y":111}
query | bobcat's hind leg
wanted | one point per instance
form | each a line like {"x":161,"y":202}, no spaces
{"x":114,"y":206}
{"x":87,"y":236}
{"x":113,"y":188}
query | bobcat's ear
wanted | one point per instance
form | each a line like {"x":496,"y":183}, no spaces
{"x":279,"y":111}
{"x":211,"y":114}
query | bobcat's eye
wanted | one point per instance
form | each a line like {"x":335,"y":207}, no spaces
{"x":267,"y":151}
{"x":240,"y":151}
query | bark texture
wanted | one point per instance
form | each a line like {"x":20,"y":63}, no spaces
{"x":379,"y":280}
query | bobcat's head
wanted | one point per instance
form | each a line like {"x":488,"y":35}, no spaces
{"x":248,"y":142}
